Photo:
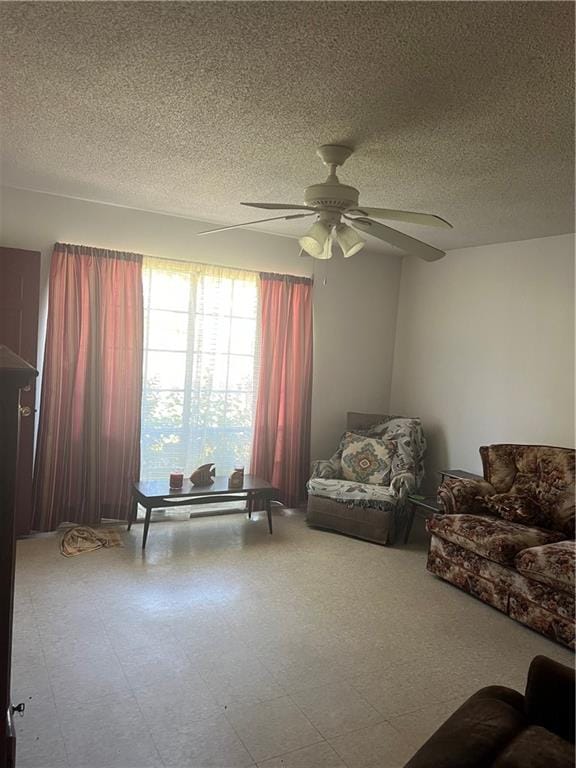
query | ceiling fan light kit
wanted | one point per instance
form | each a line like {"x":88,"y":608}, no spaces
{"x":348,"y":239}
{"x":331,"y":201}
{"x":314,"y":240}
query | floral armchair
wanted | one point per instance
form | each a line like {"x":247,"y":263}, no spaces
{"x":368,"y":510}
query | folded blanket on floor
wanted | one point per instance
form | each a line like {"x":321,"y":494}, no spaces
{"x":81,"y":539}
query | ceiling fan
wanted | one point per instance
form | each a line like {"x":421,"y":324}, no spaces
{"x":331,"y":202}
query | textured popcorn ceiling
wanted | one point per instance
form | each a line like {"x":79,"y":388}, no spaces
{"x":459,"y":108}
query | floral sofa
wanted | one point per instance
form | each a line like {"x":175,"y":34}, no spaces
{"x":508,"y":539}
{"x":361,"y":491}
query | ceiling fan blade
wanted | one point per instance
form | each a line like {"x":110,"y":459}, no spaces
{"x":259,"y":221}
{"x":410,"y":217}
{"x":398,"y":239}
{"x":280,"y":206}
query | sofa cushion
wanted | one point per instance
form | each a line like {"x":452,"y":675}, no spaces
{"x":347,"y":492}
{"x":543,"y":472}
{"x":551,"y":564}
{"x":535,"y":747}
{"x":516,"y":508}
{"x":564,"y":515}
{"x":490,"y":537}
{"x":366,"y":459}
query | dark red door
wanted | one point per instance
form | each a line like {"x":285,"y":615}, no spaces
{"x":19,"y":294}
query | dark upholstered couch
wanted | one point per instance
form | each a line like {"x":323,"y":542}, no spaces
{"x":497,"y":727}
{"x":509,"y":539}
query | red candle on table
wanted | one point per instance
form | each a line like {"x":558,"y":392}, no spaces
{"x":176,"y":479}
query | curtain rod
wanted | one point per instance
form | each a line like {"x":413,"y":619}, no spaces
{"x":262,"y":273}
{"x":133,"y":255}
{"x":286,"y":278}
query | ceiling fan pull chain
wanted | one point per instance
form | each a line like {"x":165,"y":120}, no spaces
{"x":319,"y":271}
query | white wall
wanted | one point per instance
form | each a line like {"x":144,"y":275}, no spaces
{"x":355,"y":325}
{"x":354,"y":313}
{"x":485,"y":348}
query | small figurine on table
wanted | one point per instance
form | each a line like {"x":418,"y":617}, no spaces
{"x":203,"y":475}
{"x":236,"y":479}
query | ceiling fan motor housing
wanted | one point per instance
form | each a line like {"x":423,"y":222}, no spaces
{"x":337,"y":196}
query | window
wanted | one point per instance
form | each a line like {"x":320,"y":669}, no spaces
{"x":200,"y":366}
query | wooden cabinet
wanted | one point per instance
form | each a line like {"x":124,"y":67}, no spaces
{"x":15,"y":374}
{"x":19,"y":306}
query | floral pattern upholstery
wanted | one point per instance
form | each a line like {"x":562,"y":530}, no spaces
{"x":540,"y":607}
{"x":551,"y":600}
{"x":544,"y":473}
{"x":523,"y":560}
{"x":462,"y":496}
{"x":406,"y":470}
{"x":327,"y":468}
{"x":346,"y":491}
{"x":552,"y":564}
{"x":535,"y":616}
{"x":366,"y":459}
{"x":467,"y":571}
{"x":374,"y":512}
{"x":445,"y":559}
{"x":490,"y":537}
{"x":516,"y":509}
{"x":408,"y":461}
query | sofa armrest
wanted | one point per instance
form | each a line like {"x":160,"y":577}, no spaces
{"x":478,"y":730}
{"x":325,"y":468}
{"x":549,"y":699}
{"x":403,"y":484}
{"x":459,"y":496}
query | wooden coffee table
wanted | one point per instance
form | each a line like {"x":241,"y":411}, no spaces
{"x":152,"y":494}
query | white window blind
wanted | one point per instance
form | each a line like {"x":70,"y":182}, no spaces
{"x":200,"y":367}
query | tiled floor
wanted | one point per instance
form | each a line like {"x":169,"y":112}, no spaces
{"x":224,"y":647}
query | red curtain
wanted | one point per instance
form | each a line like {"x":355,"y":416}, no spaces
{"x":88,"y":450}
{"x":281,"y":448}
